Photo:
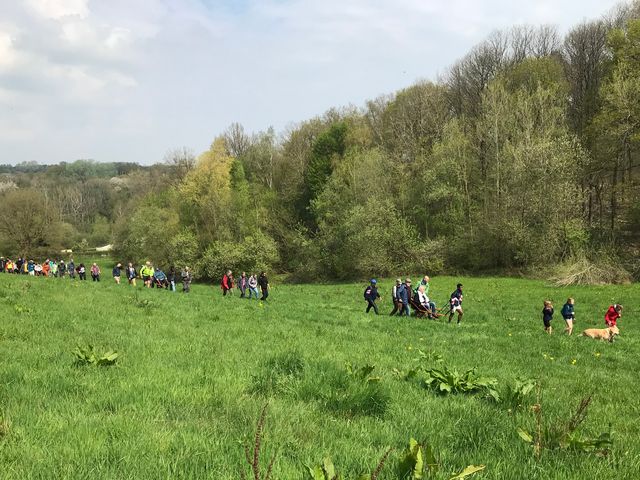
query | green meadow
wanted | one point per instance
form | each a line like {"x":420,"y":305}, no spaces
{"x":194,"y":372}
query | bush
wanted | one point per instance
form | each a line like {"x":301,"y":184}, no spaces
{"x":255,"y":253}
{"x":603,"y":269}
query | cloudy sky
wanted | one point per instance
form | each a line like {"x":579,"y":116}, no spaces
{"x":128,"y":80}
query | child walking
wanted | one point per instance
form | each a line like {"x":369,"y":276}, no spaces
{"x":547,"y":316}
{"x":613,"y":314}
{"x":569,"y":315}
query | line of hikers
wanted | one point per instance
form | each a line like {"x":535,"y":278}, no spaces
{"x":244,"y":284}
{"x":404,"y":296}
{"x":49,"y":268}
{"x":154,"y":277}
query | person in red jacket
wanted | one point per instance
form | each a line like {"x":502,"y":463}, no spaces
{"x":227,"y":283}
{"x":612,"y":315}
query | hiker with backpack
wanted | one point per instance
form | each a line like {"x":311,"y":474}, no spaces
{"x":371,"y":295}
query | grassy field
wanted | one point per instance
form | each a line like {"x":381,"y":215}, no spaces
{"x":195,"y":370}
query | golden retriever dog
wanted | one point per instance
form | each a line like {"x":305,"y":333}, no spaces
{"x":601,"y":333}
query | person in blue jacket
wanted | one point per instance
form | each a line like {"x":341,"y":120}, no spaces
{"x":569,"y":315}
{"x":371,"y":295}
{"x":404,"y":292}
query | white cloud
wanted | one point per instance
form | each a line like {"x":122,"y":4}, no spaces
{"x":129,"y":79}
{"x":57,"y":9}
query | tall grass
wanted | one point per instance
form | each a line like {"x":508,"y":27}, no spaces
{"x":194,"y":369}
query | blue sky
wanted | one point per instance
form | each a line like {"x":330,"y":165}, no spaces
{"x":129,"y":80}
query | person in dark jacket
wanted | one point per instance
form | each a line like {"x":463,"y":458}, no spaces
{"x":62,"y":269}
{"x":455,"y":302}
{"x":404,"y":293}
{"x":569,"y":315}
{"x":547,"y":316}
{"x":171,"y":276}
{"x":264,"y":285}
{"x":131,"y":274}
{"x":371,"y":295}
{"x":117,"y":272}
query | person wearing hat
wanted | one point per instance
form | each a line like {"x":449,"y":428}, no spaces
{"x":404,"y":293}
{"x":397,"y":303}
{"x":371,"y":295}
{"x":456,"y":303}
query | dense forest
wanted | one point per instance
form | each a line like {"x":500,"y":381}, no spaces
{"x":522,"y":156}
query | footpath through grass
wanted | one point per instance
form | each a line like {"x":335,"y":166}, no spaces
{"x":195,"y":370}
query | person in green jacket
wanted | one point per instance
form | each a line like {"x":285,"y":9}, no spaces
{"x":146,"y":272}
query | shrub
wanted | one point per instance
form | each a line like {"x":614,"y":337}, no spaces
{"x":603,"y":269}
{"x":255,"y":253}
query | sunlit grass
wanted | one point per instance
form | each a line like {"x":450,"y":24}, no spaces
{"x":194,"y":371}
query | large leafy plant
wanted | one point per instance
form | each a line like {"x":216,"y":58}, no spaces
{"x":87,"y":356}
{"x":444,"y":380}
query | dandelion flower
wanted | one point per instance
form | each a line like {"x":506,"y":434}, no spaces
{"x":573,"y":362}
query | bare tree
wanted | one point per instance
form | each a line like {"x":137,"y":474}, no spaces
{"x":237,"y":141}
{"x":182,"y":160}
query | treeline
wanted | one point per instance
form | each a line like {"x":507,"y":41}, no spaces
{"x":524,"y":155}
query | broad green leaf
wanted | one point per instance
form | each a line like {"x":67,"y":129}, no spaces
{"x":525,"y":435}
{"x":470,"y":470}
{"x":329,"y":469}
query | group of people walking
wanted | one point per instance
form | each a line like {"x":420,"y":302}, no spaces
{"x":245,"y":284}
{"x":403,"y":296}
{"x":154,"y":277}
{"x":151,"y":276}
{"x":49,"y":268}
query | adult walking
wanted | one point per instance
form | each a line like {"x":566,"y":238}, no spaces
{"x":253,"y":285}
{"x":95,"y":272}
{"x":242,"y":284}
{"x":404,"y":292}
{"x":397,"y":303}
{"x":71,"y":266}
{"x":264,"y":285}
{"x":186,"y":280}
{"x":131,"y":274}
{"x":455,"y":302}
{"x":227,"y":283}
{"x":146,"y":272}
{"x":371,"y":295}
{"x":172,"y":278}
{"x":117,"y":272}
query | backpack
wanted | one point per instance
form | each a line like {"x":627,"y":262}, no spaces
{"x":367,"y":292}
